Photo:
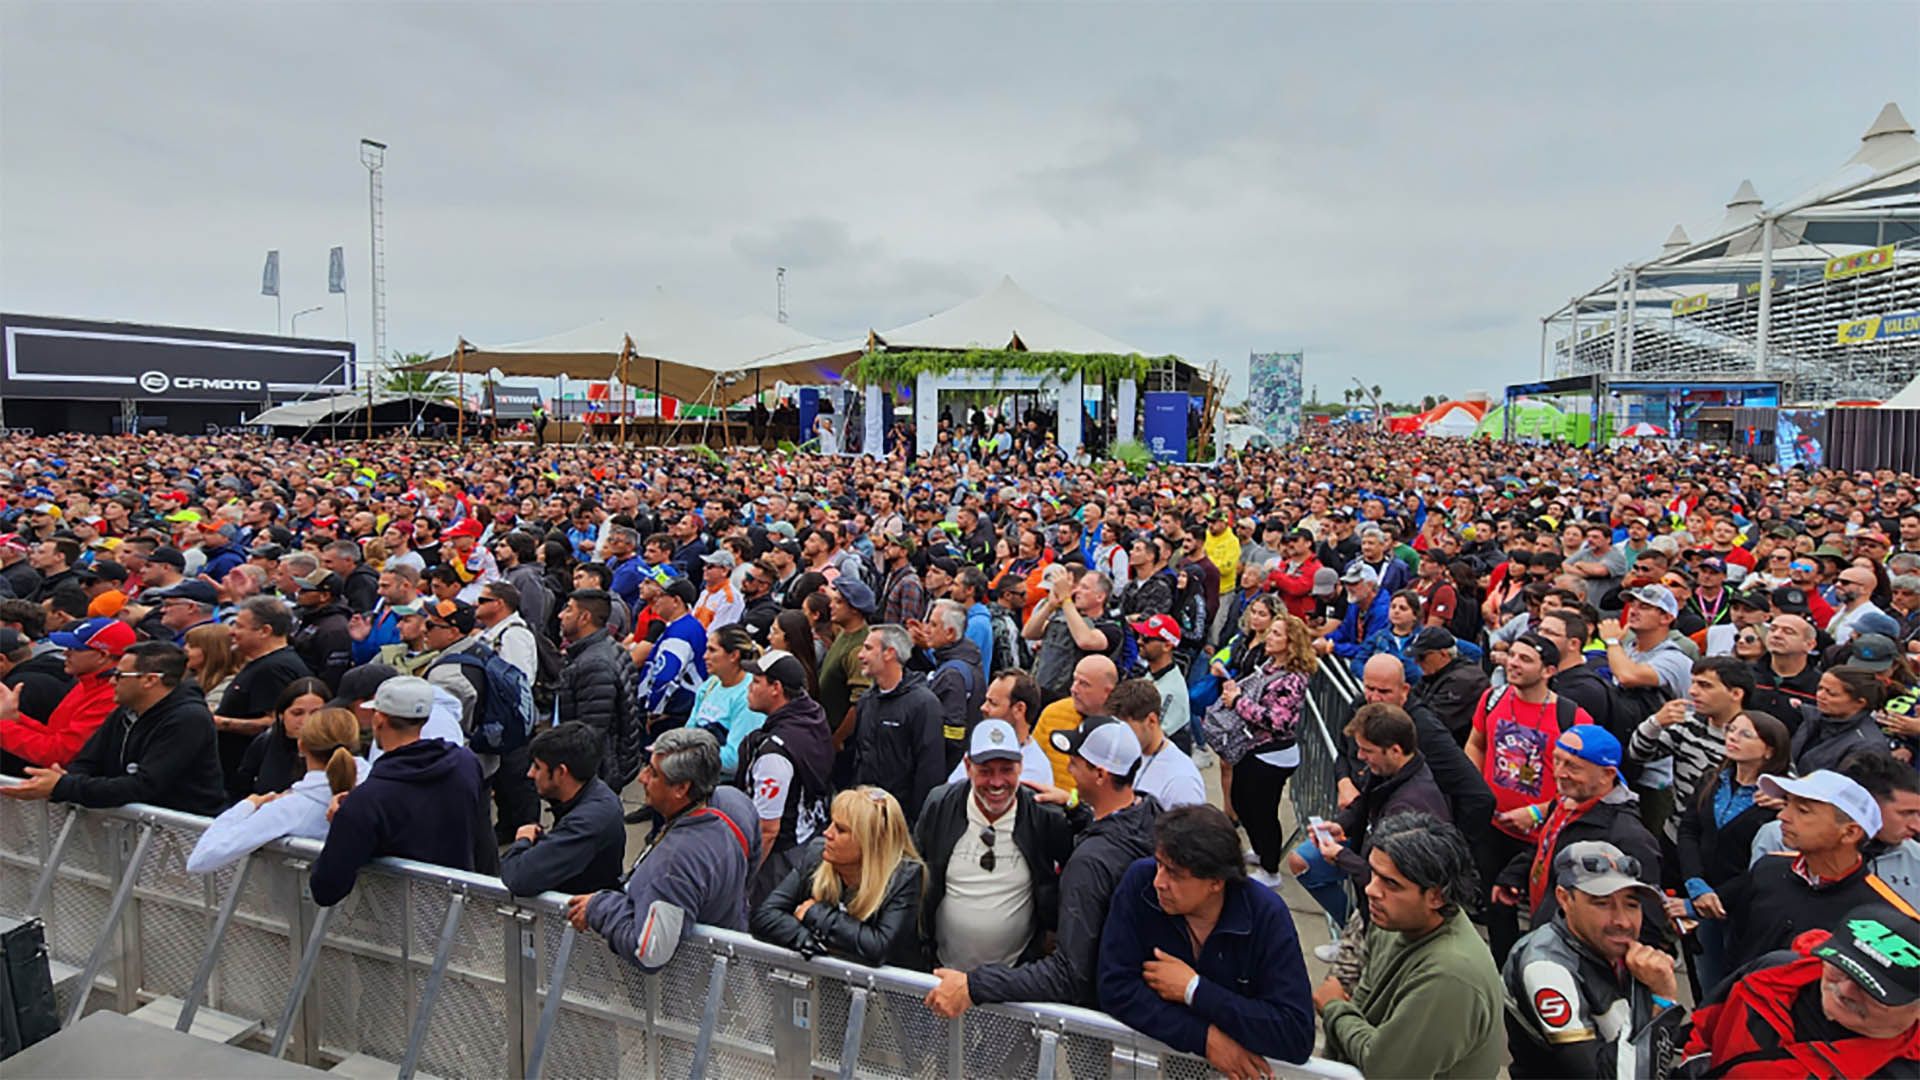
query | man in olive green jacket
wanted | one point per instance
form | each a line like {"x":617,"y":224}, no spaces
{"x":1429,"y":1001}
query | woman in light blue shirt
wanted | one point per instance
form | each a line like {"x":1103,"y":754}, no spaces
{"x":720,"y":705}
{"x":328,"y":739}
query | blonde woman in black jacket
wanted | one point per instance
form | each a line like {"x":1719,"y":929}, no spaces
{"x":856,"y":893}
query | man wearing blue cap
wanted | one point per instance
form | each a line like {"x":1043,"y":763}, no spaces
{"x":1593,"y":803}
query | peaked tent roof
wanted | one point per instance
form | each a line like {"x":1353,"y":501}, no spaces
{"x":700,"y":354}
{"x":1004,"y":317}
{"x":1905,"y":399}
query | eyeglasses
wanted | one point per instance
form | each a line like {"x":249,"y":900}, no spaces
{"x":116,"y":674}
{"x":1748,"y":639}
{"x":986,"y":857}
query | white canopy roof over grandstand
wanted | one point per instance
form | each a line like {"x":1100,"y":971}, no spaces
{"x":1832,"y":217}
{"x":1004,"y":317}
{"x":1905,"y":399}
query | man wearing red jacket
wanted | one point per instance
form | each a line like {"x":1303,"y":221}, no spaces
{"x":1292,"y":577}
{"x":93,"y":648}
{"x":1841,"y":1003}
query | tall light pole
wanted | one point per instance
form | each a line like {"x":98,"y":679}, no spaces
{"x":374,"y":156}
{"x":293,"y":324}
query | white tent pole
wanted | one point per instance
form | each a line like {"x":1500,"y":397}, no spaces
{"x":1633,"y":305}
{"x":1619,"y":293}
{"x":1766,"y":297}
{"x":1543,"y":348}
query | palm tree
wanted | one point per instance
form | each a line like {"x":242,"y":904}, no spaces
{"x":399,"y":380}
{"x":1428,"y":403}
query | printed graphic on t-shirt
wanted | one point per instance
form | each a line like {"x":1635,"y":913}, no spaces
{"x":1519,"y":757}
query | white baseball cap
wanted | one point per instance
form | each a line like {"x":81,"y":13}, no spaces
{"x":1827,"y":786}
{"x":1100,"y":741}
{"x":993,"y":740}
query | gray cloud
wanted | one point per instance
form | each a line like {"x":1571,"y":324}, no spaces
{"x":1408,"y":185}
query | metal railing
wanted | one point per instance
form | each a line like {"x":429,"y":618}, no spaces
{"x":1313,"y":788}
{"x":446,"y":973}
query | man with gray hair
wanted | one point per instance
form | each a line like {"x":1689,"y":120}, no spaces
{"x":694,"y":865}
{"x":897,"y":740}
{"x":345,"y":558}
{"x":958,"y":677}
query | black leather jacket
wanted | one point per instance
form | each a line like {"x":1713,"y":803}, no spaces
{"x":1569,"y":1014}
{"x":889,"y":936}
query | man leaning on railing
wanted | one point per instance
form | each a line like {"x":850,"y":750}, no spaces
{"x":157,"y":747}
{"x":695,"y":864}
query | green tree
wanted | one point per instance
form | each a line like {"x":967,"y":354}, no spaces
{"x":398,"y":380}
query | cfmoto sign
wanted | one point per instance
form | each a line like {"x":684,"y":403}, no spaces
{"x":159,"y":382}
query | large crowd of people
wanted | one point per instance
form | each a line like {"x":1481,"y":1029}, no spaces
{"x":1629,"y":786}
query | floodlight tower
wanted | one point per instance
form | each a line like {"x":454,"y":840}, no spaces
{"x":374,"y":156}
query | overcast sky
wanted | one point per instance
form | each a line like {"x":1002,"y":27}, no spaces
{"x":1400,"y":190}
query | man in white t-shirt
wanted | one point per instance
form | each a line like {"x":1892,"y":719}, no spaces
{"x":1013,"y":696}
{"x":1165,"y":771}
{"x":993,"y":856}
{"x":720,"y":604}
{"x":1159,"y":636}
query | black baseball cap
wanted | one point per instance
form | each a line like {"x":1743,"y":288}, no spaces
{"x":1878,"y":946}
{"x":170,"y":556}
{"x":780,"y":666}
{"x":1433,"y":639}
{"x":1791,"y":599}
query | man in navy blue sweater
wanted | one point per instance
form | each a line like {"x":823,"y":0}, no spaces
{"x":420,"y":801}
{"x":1197,"y":957}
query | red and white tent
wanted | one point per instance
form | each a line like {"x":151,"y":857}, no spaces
{"x":1455,"y":419}
{"x":1644,"y":430}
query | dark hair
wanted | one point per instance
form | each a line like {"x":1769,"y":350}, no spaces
{"x":271,"y":614}
{"x":1733,"y":672}
{"x":597,"y":570}
{"x":1862,"y":685}
{"x":1134,"y":699}
{"x":163,"y":657}
{"x":735,"y":639}
{"x":1779,"y":759}
{"x":1575,"y":624}
{"x":31,"y":616}
{"x":520,"y":544}
{"x":1880,"y":773}
{"x":1023,"y":691}
{"x":798,"y":630}
{"x":1384,"y":725}
{"x":664,"y":541}
{"x":505,"y":592}
{"x":974,"y":580}
{"x":1431,"y":854}
{"x":69,"y":599}
{"x":573,"y":744}
{"x":1201,"y":840}
{"x":297,"y":689}
{"x":557,"y":555}
{"x":596,"y":604}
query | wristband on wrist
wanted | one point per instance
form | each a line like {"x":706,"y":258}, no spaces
{"x":1193,"y":984}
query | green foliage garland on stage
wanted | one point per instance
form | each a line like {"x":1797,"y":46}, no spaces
{"x":904,"y":366}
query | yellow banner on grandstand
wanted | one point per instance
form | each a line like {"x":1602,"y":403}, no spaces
{"x":1687,"y":305}
{"x":1753,"y":287}
{"x":1859,"y":331}
{"x":1871,"y":261}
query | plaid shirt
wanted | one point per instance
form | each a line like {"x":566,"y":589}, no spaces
{"x":903,"y":597}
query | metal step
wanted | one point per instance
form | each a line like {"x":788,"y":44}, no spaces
{"x":368,"y":1067}
{"x":209,"y":1024}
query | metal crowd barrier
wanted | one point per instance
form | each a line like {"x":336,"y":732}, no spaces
{"x":445,"y":973}
{"x":1313,"y":788}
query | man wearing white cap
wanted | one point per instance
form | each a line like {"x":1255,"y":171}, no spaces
{"x":1827,"y":820}
{"x":1102,"y":754}
{"x":993,"y":855}
{"x":421,"y":800}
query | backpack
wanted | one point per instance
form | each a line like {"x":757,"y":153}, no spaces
{"x":503,"y":715}
{"x":966,"y":682}
{"x":1565,"y":709}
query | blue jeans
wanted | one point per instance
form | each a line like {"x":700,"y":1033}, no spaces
{"x":1325,"y":882}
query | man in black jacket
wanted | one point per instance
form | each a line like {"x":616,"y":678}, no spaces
{"x":1102,"y":754}
{"x":955,"y":674}
{"x":321,"y":635}
{"x":1384,"y":679}
{"x":993,"y":855}
{"x":897,"y":735}
{"x":420,"y":801}
{"x":1574,"y":678}
{"x":1450,"y":684}
{"x":157,"y":747}
{"x":584,"y":851}
{"x":41,"y":678}
{"x":594,"y":685}
{"x":786,"y":766}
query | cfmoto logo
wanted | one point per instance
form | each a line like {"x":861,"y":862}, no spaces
{"x":159,"y":382}
{"x":155,"y":382}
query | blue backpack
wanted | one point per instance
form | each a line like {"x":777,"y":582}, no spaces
{"x":503,"y":715}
